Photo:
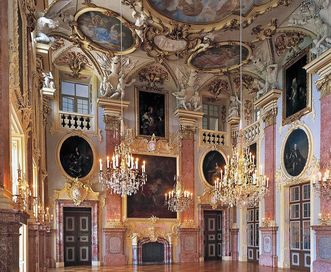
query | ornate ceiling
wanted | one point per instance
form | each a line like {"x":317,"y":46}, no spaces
{"x":201,"y":35}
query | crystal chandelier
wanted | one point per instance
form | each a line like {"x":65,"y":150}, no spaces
{"x":242,"y":184}
{"x":322,"y":183}
{"x":178,"y":200}
{"x":122,"y":174}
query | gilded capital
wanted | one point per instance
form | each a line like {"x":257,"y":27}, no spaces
{"x":324,"y":85}
{"x":269,"y":117}
{"x":112,"y":122}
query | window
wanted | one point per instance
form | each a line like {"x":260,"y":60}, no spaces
{"x":210,"y":119}
{"x":75,"y":97}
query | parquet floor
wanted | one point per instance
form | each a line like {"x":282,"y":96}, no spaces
{"x":225,"y":266}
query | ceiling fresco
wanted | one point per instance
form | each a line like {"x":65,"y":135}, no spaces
{"x":222,"y":57}
{"x":104,"y":29}
{"x":201,"y":11}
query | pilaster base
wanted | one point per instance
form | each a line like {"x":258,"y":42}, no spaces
{"x":188,"y":238}
{"x":10,"y":222}
{"x":113,"y":249}
{"x":268,"y":255}
{"x":323,"y":248}
{"x":234,"y":243}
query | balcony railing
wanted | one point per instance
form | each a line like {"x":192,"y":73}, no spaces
{"x":72,"y":120}
{"x":252,"y":132}
{"x":213,"y":138}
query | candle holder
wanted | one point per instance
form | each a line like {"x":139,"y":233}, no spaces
{"x":22,"y":196}
{"x":325,"y":219}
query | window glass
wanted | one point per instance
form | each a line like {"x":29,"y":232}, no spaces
{"x":82,"y":90}
{"x":68,"y":88}
{"x":68,"y":104}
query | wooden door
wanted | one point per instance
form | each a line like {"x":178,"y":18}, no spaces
{"x":77,"y":236}
{"x":213,"y":235}
{"x":253,"y":234}
{"x":300,"y":227}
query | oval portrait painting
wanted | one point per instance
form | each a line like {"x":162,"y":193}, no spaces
{"x":105,"y":31}
{"x":222,"y":57}
{"x":296,"y":152}
{"x":212,"y":164}
{"x":76,"y":157}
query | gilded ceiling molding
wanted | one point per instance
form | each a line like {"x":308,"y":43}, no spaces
{"x":229,"y":20}
{"x":288,"y":41}
{"x":76,"y":61}
{"x":93,"y":15}
{"x":153,"y":76}
{"x":264,"y":32}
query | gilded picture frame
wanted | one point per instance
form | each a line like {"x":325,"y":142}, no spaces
{"x":211,"y":160}
{"x":291,"y":164}
{"x":100,"y":35}
{"x":228,"y":22}
{"x":229,"y":45}
{"x":80,"y":162}
{"x":296,"y":95}
{"x":151,"y":113}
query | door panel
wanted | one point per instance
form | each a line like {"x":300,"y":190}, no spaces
{"x":77,"y":236}
{"x":213,"y":235}
{"x":253,"y":234}
{"x":300,"y":227}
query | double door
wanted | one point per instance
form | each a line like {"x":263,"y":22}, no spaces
{"x":253,"y":234}
{"x":77,"y":236}
{"x":300,"y":227}
{"x":213,"y":235}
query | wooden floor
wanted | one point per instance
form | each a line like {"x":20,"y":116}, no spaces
{"x":225,"y":266}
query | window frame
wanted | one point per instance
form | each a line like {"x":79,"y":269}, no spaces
{"x":75,"y":97}
{"x":208,"y":116}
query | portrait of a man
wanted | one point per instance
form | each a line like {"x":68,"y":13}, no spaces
{"x":212,"y":166}
{"x":296,"y":92}
{"x":76,"y":157}
{"x":151,"y":114}
{"x":296,"y":152}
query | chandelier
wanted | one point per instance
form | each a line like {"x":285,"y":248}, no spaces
{"x":322,"y":183}
{"x":241,"y":184}
{"x":178,"y":200}
{"x":122,"y":174}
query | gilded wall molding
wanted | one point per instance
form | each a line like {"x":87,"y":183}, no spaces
{"x":324,"y":85}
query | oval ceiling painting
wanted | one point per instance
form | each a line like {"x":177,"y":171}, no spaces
{"x":200,"y":11}
{"x":105,"y":31}
{"x":223,"y":57}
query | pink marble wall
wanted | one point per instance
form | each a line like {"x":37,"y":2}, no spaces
{"x":187,"y":172}
{"x":189,"y":248}
{"x":325,"y":145}
{"x":268,"y":252}
{"x":269,"y":161}
{"x":113,"y":246}
{"x":60,"y":204}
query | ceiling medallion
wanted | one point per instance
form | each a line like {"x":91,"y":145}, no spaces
{"x":208,"y":15}
{"x":221,"y":57}
{"x":101,"y":29}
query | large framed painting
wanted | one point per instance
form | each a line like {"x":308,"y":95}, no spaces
{"x":149,"y":201}
{"x":152,"y":117}
{"x":76,"y":157}
{"x":296,"y":152}
{"x":212,"y":164}
{"x":296,"y":90}
{"x":105,"y":30}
